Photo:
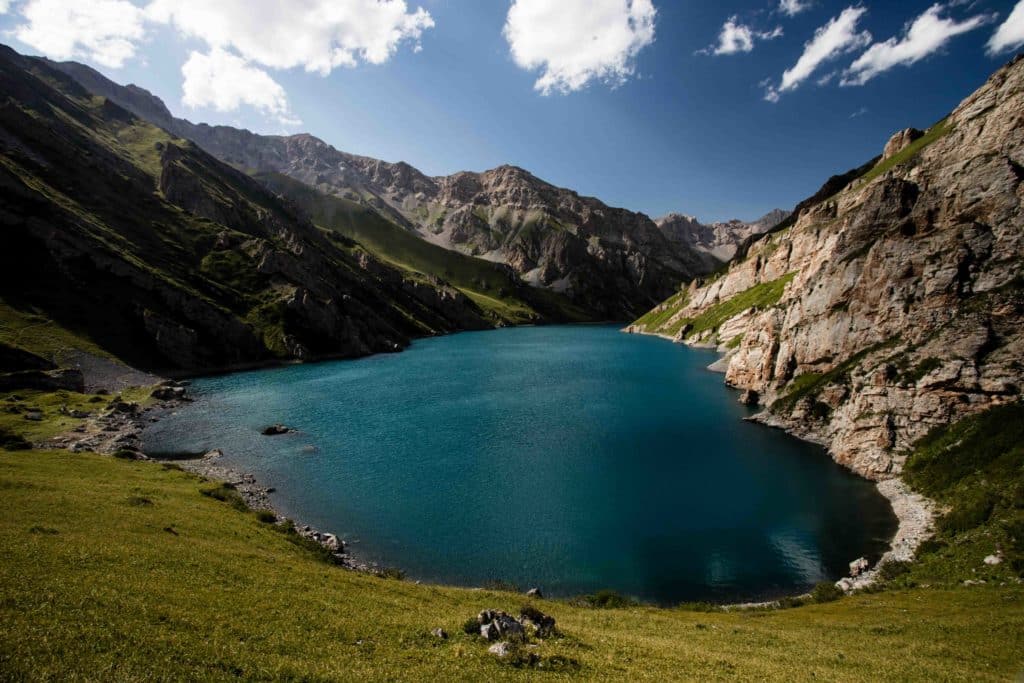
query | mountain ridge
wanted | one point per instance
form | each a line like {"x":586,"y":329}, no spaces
{"x":169,"y":259}
{"x":611,"y":261}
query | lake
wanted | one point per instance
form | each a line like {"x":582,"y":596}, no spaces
{"x":573,"y":458}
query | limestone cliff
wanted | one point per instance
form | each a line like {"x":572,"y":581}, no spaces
{"x":890,"y":304}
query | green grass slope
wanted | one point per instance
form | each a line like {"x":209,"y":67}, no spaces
{"x":494,"y":287}
{"x":117,"y":570}
{"x":666,"y":318}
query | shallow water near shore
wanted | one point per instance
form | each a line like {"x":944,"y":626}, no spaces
{"x":574,"y":458}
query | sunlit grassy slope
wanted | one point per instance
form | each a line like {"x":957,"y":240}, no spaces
{"x":494,"y":287}
{"x":116,"y":570}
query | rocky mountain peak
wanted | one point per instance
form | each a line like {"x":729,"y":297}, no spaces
{"x":900,"y":141}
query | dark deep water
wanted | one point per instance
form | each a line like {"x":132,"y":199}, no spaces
{"x":573,"y":458}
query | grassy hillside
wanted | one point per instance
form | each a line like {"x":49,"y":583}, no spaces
{"x":666,"y":319}
{"x":124,"y":570}
{"x":144,"y":247}
{"x":494,"y":287}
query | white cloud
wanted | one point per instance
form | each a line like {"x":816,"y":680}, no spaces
{"x":224,"y":81}
{"x":793,"y":7}
{"x":735,"y":38}
{"x":838,"y":37}
{"x":243,"y":38}
{"x":103,"y":31}
{"x":4,"y":6}
{"x":1009,"y":35}
{"x":577,"y":41}
{"x":927,"y":34}
{"x":317,"y":35}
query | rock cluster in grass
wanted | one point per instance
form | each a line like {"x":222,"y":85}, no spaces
{"x":510,"y":634}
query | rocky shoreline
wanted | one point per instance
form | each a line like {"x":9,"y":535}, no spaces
{"x":257,"y":497}
{"x":116,"y":430}
{"x":915,"y":514}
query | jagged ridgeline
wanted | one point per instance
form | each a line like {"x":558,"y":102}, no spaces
{"x":121,"y":239}
{"x":892,"y":301}
{"x":607,"y":263}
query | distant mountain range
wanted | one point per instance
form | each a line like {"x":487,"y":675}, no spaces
{"x":720,"y":240}
{"x":610,"y":263}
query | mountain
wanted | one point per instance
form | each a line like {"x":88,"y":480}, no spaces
{"x":611,"y":263}
{"x":721,"y":240}
{"x":126,"y":240}
{"x":892,"y":302}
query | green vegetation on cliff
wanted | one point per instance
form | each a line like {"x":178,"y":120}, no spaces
{"x":666,"y":319}
{"x":934,"y":133}
{"x":493,"y":286}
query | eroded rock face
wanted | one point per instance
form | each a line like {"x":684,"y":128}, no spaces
{"x":906,"y":306}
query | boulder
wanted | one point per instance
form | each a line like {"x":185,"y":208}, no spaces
{"x":439,"y":633}
{"x":993,"y":560}
{"x":498,"y":625}
{"x":332,"y":542}
{"x":277,"y":430}
{"x":859,"y":566}
{"x":900,"y":141}
{"x":534,"y":593}
{"x":543,"y":625}
{"x":501,"y":649}
{"x":169,"y":393}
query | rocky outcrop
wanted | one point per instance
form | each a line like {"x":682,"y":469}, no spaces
{"x":900,"y":141}
{"x":901,"y":302}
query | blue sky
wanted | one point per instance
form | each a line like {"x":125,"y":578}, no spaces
{"x":653,"y":105}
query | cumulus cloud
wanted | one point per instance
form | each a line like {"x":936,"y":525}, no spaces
{"x":1010,"y":34}
{"x":574,"y":42}
{"x":317,"y":35}
{"x":4,"y":6}
{"x":224,"y":81}
{"x":927,"y":34}
{"x":793,"y":7}
{"x":103,"y":31}
{"x":242,"y":39}
{"x":736,"y":37}
{"x":836,"y":38}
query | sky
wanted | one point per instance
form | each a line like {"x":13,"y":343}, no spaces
{"x":715,"y":109}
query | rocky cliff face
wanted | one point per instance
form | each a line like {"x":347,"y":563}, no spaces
{"x":721,"y":240}
{"x":894,"y":304}
{"x":170,"y":259}
{"x":610,"y":262}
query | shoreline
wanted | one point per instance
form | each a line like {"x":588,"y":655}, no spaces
{"x":915,"y":514}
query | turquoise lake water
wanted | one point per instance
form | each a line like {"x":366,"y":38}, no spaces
{"x":573,"y":458}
